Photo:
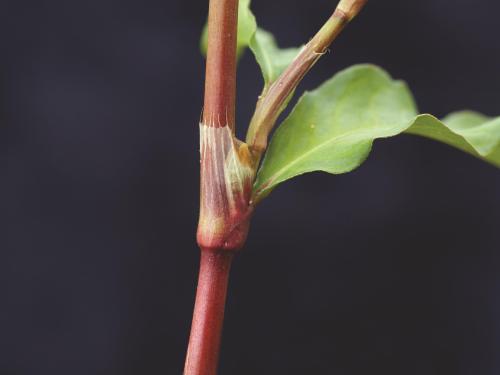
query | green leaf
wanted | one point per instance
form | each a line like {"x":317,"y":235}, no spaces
{"x":332,"y":128}
{"x":469,"y":131}
{"x":246,"y":29}
{"x":271,"y":59}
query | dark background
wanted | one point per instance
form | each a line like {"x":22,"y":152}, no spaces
{"x":391,"y":269}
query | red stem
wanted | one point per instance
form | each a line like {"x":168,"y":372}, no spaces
{"x":204,"y":341}
{"x":220,"y":75}
{"x":219,"y":108}
{"x":219,"y":111}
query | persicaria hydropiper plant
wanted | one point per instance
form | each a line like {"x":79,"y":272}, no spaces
{"x":330,"y":129}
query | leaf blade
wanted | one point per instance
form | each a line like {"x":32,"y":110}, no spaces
{"x":332,"y":128}
{"x":468,"y":131}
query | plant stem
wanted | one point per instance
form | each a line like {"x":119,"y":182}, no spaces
{"x":227,"y":167}
{"x":273,"y":101}
{"x":220,"y":76}
{"x":204,"y":342}
{"x":226,"y":172}
{"x":224,"y":192}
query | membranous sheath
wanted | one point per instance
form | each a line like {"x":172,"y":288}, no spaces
{"x":227,"y":176}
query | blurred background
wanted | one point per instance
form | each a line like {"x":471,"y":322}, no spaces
{"x":392,"y":269}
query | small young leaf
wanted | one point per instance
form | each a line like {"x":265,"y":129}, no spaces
{"x":271,"y":59}
{"x":332,"y":128}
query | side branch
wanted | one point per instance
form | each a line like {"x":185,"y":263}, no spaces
{"x":273,"y":101}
